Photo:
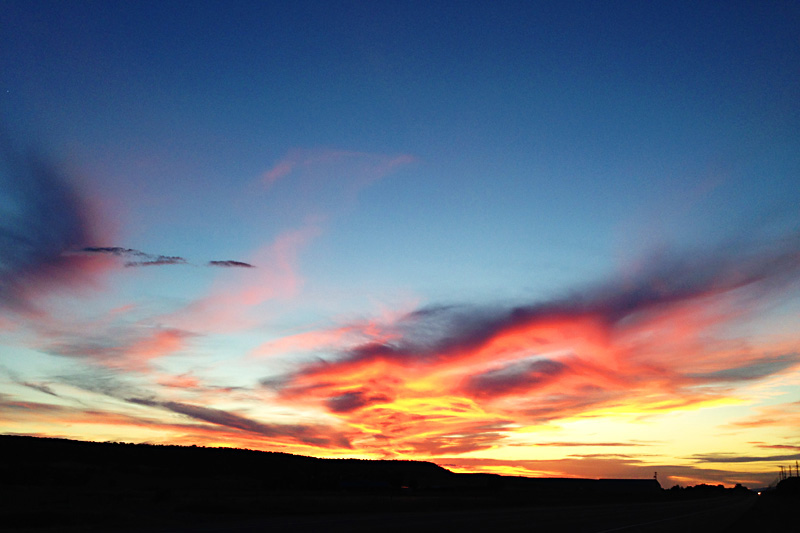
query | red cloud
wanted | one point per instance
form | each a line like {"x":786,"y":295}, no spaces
{"x":648,"y":346}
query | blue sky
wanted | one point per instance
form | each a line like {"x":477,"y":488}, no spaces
{"x":373,"y":162}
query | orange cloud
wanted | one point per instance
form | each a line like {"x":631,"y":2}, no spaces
{"x":783,"y":415}
{"x":464,"y":378}
{"x":182,"y":381}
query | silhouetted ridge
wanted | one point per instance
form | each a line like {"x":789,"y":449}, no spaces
{"x":60,"y":483}
{"x":48,"y":458}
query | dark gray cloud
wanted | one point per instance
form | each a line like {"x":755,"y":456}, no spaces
{"x":778,"y":446}
{"x":41,"y":387}
{"x":733,"y":458}
{"x":230,"y":263}
{"x":517,"y":376}
{"x":312,"y":435}
{"x":138,"y":258}
{"x":100,"y":381}
{"x":760,"y":368}
{"x":158,"y":261}
{"x":350,"y":401}
{"x":115,"y":250}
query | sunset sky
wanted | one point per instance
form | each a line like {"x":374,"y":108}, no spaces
{"x":530,"y":238}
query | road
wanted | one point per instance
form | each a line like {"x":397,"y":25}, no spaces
{"x":706,"y":515}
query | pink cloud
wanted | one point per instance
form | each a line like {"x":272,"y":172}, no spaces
{"x":182,"y":381}
{"x":231,"y":302}
{"x":131,"y":350}
{"x":333,"y":339}
{"x":325,"y":181}
{"x":281,"y":169}
{"x":159,"y":343}
{"x":52,"y":218}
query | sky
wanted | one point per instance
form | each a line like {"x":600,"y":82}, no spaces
{"x":529,"y":238}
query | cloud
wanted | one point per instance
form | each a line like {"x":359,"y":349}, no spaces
{"x":781,"y":415}
{"x":325,"y":182}
{"x":734,"y":458}
{"x":115,"y":250}
{"x":182,"y":381}
{"x":319,"y":183}
{"x":650,"y":342}
{"x":101,"y":380}
{"x":756,"y":369}
{"x":591,"y":444}
{"x":350,"y":401}
{"x":132,"y":349}
{"x":436,"y":333}
{"x":519,"y":375}
{"x":42,"y":217}
{"x":311,"y":435}
{"x":158,"y":261}
{"x":778,"y":446}
{"x":469,"y":437}
{"x":317,"y":166}
{"x":10,"y":408}
{"x":230,"y":304}
{"x":439,"y":331}
{"x":109,"y":383}
{"x":138,"y":258}
{"x":230,"y":263}
{"x":77,"y":422}
{"x":41,"y":387}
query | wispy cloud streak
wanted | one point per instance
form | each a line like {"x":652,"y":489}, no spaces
{"x":313,"y":436}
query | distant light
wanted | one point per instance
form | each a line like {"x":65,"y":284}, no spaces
{"x":759,"y":493}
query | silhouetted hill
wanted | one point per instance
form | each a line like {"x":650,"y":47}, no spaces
{"x":31,"y":460}
{"x":789,"y":486}
{"x":35,"y":460}
{"x":50,"y":482}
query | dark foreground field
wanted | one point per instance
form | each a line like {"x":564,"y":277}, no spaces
{"x":60,"y":485}
{"x":706,"y":515}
